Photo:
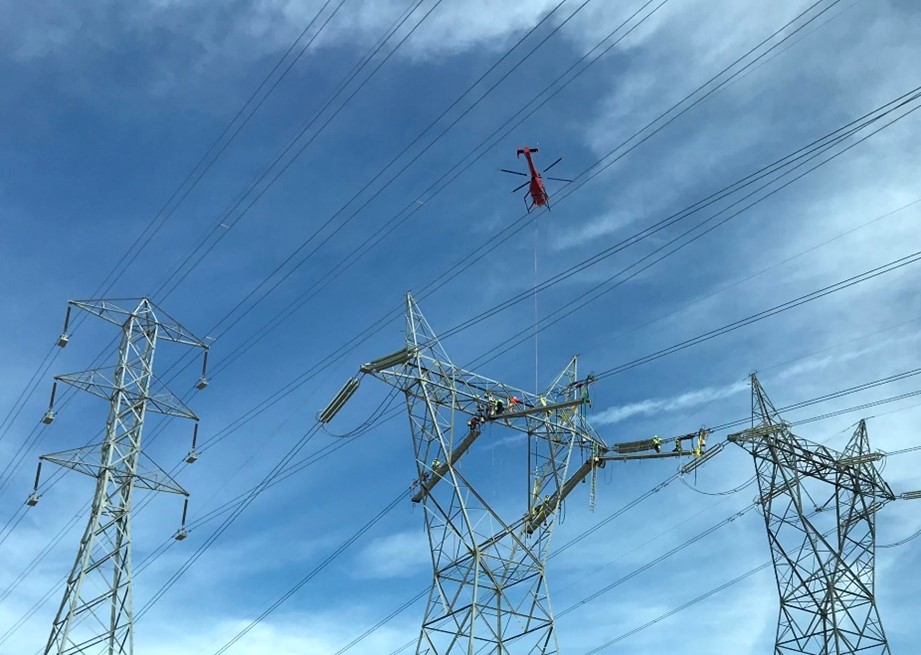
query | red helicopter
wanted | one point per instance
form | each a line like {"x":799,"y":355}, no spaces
{"x":537,"y":191}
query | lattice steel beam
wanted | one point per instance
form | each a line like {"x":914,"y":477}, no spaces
{"x":96,"y":612}
{"x":819,"y":508}
{"x":489,"y":592}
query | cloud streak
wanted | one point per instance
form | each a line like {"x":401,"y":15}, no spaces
{"x":679,"y":402}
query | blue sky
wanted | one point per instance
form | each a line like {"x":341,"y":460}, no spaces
{"x":107,"y":106}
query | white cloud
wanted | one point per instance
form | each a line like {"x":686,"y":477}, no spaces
{"x":661,"y":405}
{"x":589,"y":232}
{"x":394,"y":556}
{"x":297,"y":633}
{"x":223,"y":33}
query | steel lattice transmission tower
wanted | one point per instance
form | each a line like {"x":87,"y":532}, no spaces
{"x":96,"y":613}
{"x":489,"y":591}
{"x":820,"y":510}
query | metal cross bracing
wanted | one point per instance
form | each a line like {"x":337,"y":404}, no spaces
{"x":96,"y":612}
{"x":820,"y":510}
{"x":489,"y":589}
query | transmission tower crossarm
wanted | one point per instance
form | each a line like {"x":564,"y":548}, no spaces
{"x":169,"y":329}
{"x":539,"y":409}
{"x":98,"y":383}
{"x":619,"y":452}
{"x":814,"y":460}
{"x":86,"y":460}
{"x":438,"y":471}
{"x":540,"y":513}
{"x":628,"y":447}
{"x":613,"y":457}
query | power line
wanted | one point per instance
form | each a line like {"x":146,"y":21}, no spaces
{"x":372,"y":330}
{"x":170,"y":285}
{"x":768,"y":313}
{"x":261,"y":332}
{"x":651,"y":258}
{"x":23,"y":449}
{"x":314,"y":571}
{"x":188,"y":183}
{"x":166,"y":211}
{"x":635,"y":502}
{"x":163,"y":213}
{"x":452,"y":174}
{"x":603,"y":164}
{"x":730,"y":65}
{"x":680,"y":608}
{"x":827,"y":397}
{"x":377,"y":325}
{"x":244,"y":498}
{"x":751,"y":276}
{"x":850,"y":281}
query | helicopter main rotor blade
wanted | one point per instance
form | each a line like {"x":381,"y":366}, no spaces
{"x":558,"y":179}
{"x":505,"y":170}
{"x":521,"y":187}
{"x":552,"y":165}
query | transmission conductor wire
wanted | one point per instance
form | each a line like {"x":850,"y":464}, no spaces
{"x":740,"y":281}
{"x":236,"y":503}
{"x":862,"y":388}
{"x":680,"y":608}
{"x":599,"y":289}
{"x":314,"y":571}
{"x":17,"y":459}
{"x":167,"y":288}
{"x":808,"y":150}
{"x":387,"y":317}
{"x":651,"y":492}
{"x":372,"y":329}
{"x":741,"y":57}
{"x":768,"y":313}
{"x":165,"y":211}
{"x":365,"y":60}
{"x":658,"y":487}
{"x":496,"y":240}
{"x":396,"y":220}
{"x":604,"y":374}
{"x":267,"y":481}
{"x":349,"y":346}
{"x":346,"y":349}
{"x":415,"y":206}
{"x":396,"y":158}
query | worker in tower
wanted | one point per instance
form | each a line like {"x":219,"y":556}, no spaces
{"x":701,"y":442}
{"x":435,"y":464}
{"x":500,"y":407}
{"x":677,"y":445}
{"x":657,"y":444}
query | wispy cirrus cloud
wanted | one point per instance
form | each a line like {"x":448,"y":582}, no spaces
{"x":394,"y":556}
{"x":681,"y":401}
